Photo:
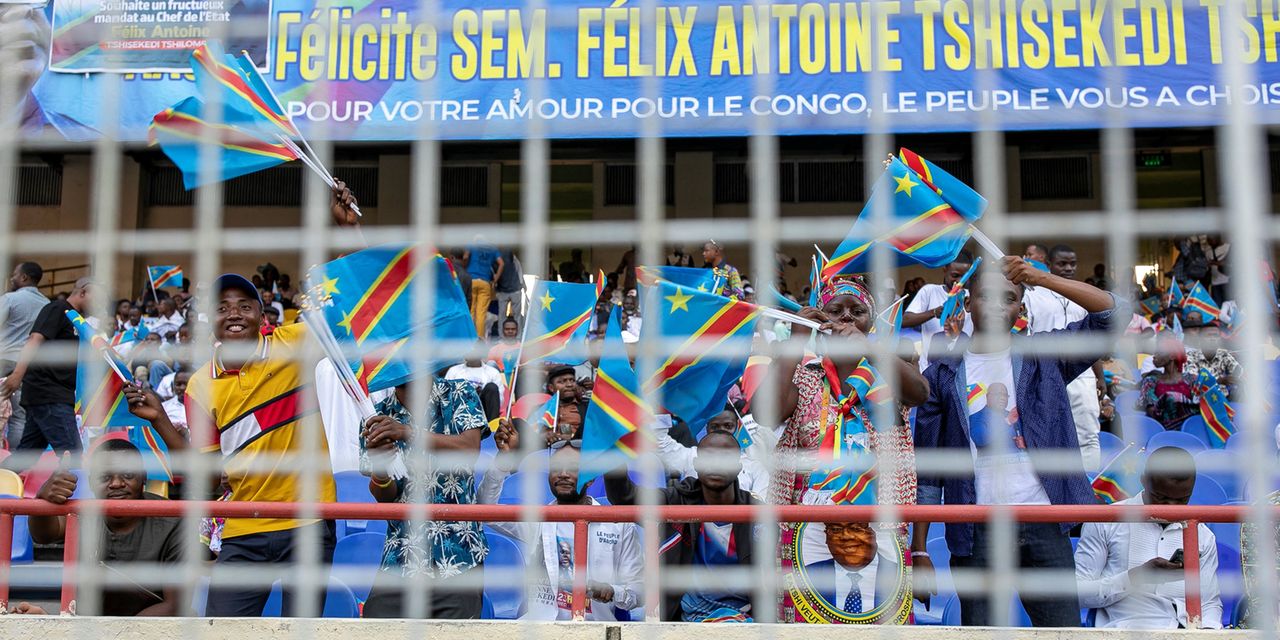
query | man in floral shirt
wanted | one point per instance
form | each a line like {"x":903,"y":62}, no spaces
{"x":444,"y":552}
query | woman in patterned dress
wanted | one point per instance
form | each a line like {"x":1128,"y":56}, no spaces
{"x":812,"y":406}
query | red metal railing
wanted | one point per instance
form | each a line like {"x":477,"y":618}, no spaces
{"x":580,"y":516}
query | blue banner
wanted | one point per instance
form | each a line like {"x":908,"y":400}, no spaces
{"x":383,"y":70}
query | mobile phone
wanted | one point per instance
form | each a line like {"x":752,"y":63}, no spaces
{"x":1176,"y":558}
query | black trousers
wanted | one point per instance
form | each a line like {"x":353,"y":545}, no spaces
{"x":389,"y":598}
{"x":274,"y":551}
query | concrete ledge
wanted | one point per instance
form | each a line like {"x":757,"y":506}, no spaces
{"x":79,"y":628}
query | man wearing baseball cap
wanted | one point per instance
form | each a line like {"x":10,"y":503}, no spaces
{"x":252,"y":402}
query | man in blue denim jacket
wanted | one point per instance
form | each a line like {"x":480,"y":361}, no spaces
{"x":1002,"y":410}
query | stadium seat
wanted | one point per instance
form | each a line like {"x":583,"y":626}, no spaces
{"x":1139,"y":429}
{"x":1177,"y":439}
{"x":339,"y":602}
{"x":83,"y":491}
{"x":356,"y":559}
{"x":10,"y":484}
{"x":1111,"y":444}
{"x":353,"y":486}
{"x":505,"y":559}
{"x":23,"y":550}
{"x":486,"y":607}
{"x":1208,"y":492}
{"x":1195,"y":426}
{"x":951,"y":611}
{"x":513,"y":490}
{"x":1127,"y":402}
{"x":1221,"y":467}
{"x":1230,"y":579}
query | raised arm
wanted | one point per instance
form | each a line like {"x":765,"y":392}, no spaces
{"x":1093,"y":299}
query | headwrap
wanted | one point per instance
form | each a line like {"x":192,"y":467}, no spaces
{"x":847,"y":285}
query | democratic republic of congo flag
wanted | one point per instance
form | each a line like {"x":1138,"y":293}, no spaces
{"x":753,"y":376}
{"x":100,"y":398}
{"x":1150,"y":307}
{"x":700,"y":334}
{"x":617,"y":416}
{"x":929,"y":213}
{"x":180,"y":129}
{"x":1121,"y":479}
{"x":549,"y":413}
{"x":559,"y":319}
{"x":1173,"y":297}
{"x":955,"y":297}
{"x":165,"y":276}
{"x":692,"y":277}
{"x":239,"y":87}
{"x":1219,"y":417}
{"x":889,"y":322}
{"x":1198,"y":299}
{"x":368,"y":301}
{"x":849,"y":468}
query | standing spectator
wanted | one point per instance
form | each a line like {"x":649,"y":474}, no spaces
{"x":1049,"y":310}
{"x":1131,"y":572}
{"x":1167,"y":395}
{"x":440,"y":551}
{"x":925,"y":310}
{"x":615,"y":560}
{"x":713,"y":255}
{"x":1192,"y":264}
{"x":510,"y":288}
{"x":251,"y":408}
{"x":1219,"y":250}
{"x":485,"y":266}
{"x":1037,"y":256}
{"x":573,"y":270}
{"x":48,"y":383}
{"x":989,"y":432}
{"x":1099,"y":277}
{"x":285,"y":291}
{"x":459,"y":267}
{"x":18,"y":311}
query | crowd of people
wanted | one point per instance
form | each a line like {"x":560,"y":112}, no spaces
{"x":963,"y":393}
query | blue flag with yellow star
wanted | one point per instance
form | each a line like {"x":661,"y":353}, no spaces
{"x":559,"y":319}
{"x":617,"y":416}
{"x":928,"y":218}
{"x":706,"y":339}
{"x":692,"y":277}
{"x":368,"y":301}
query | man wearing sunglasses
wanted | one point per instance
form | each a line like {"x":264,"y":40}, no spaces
{"x":614,"y":549}
{"x":705,"y":547}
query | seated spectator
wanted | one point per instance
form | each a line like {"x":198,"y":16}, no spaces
{"x":1168,"y":394}
{"x":167,"y":319}
{"x":680,"y":460}
{"x":269,"y":302}
{"x":1131,"y":572}
{"x":702,"y":546}
{"x":615,"y":560}
{"x":510,"y":342}
{"x":476,"y":372}
{"x":150,"y":357}
{"x":272,"y":316}
{"x":128,"y":544}
{"x":1206,"y":348}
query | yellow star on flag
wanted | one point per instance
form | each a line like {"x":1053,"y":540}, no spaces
{"x":346,"y":321}
{"x":546,"y":301}
{"x":905,"y":184}
{"x":330,"y":286}
{"x":679,"y":300}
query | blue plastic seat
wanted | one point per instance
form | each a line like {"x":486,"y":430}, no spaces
{"x":1230,"y":579}
{"x":505,"y":560}
{"x":513,"y":489}
{"x":1208,"y":492}
{"x":1127,"y":402}
{"x":22,"y":550}
{"x":83,"y":490}
{"x":1177,"y":439}
{"x":356,"y":559}
{"x":951,"y":611}
{"x":339,"y":602}
{"x":1139,"y":428}
{"x":486,"y":607}
{"x":1111,"y":444}
{"x":1221,"y":467}
{"x":353,"y":486}
{"x":1195,"y":426}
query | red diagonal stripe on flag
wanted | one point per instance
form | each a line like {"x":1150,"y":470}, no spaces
{"x":236,"y":82}
{"x":382,"y":294}
{"x":373,"y":362}
{"x":728,"y":320}
{"x":103,"y":402}
{"x":939,"y":220}
{"x":554,"y":341}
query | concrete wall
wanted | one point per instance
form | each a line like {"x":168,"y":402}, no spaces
{"x":52,"y":628}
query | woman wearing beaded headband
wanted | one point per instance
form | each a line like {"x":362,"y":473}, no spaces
{"x":817,"y":402}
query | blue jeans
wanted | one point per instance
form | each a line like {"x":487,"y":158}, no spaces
{"x":274,"y":553}
{"x":52,"y":425}
{"x":1040,"y":546}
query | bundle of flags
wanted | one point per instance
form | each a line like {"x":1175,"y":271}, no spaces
{"x":367,"y":300}
{"x":165,"y":276}
{"x":253,"y":133}
{"x":954,"y":303}
{"x":1218,"y":416}
{"x":889,"y":322}
{"x":617,"y":416}
{"x":559,"y":320}
{"x":1121,"y":479}
{"x":929,"y":217}
{"x":100,"y":400}
{"x":706,"y":280}
{"x":1173,"y":298}
{"x":694,"y":379}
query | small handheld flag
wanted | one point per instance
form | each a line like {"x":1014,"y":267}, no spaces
{"x":694,"y":278}
{"x":889,"y":321}
{"x":617,"y":416}
{"x":930,"y":213}
{"x":165,"y":276}
{"x":1150,"y":307}
{"x":559,"y":321}
{"x":1120,"y":480}
{"x":1218,"y":416}
{"x":1198,"y":299}
{"x":549,"y":413}
{"x":955,"y":297}
{"x":180,"y":129}
{"x":1173,"y":297}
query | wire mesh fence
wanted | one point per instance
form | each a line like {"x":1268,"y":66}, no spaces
{"x":385,"y":172}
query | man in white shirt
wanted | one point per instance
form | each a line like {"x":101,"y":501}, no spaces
{"x":925,"y":309}
{"x":615,"y":560}
{"x":679,"y":459}
{"x":1047,"y":311}
{"x":175,"y":406}
{"x":477,"y":372}
{"x":1131,"y":572}
{"x":167,"y":321}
